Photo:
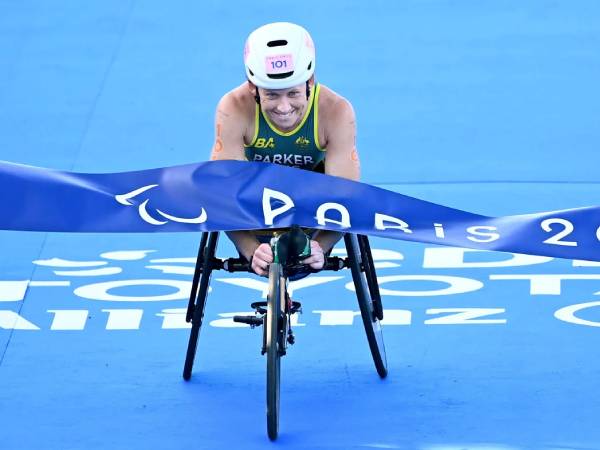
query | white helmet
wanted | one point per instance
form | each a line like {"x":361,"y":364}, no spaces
{"x":279,"y":56}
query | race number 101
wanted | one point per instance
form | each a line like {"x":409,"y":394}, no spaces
{"x":279,"y":64}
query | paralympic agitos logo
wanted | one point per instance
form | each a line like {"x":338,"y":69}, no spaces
{"x":125,"y":199}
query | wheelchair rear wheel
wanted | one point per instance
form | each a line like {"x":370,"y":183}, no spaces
{"x":205,"y":262}
{"x":358,"y":263}
{"x":369,"y":267}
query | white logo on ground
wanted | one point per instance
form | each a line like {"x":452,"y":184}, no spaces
{"x":122,"y":291}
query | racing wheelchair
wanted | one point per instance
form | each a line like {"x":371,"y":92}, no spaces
{"x":274,"y":315}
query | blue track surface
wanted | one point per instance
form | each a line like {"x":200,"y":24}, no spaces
{"x":490,"y":107}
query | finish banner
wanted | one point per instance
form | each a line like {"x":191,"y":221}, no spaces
{"x":237,"y":195}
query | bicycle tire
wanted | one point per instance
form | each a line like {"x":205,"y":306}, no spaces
{"x":369,"y":268}
{"x":200,"y":304}
{"x":370,"y":321}
{"x":273,"y":326}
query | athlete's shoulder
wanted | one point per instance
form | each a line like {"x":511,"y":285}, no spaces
{"x":238,"y":102}
{"x":332,"y":106}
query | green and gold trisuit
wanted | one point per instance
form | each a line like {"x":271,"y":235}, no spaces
{"x":298,"y":147}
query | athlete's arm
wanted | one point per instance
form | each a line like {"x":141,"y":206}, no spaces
{"x":342,"y":157}
{"x":230,"y":123}
{"x":229,"y":129}
{"x":341,"y":161}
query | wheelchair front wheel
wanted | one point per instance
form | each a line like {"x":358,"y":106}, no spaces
{"x":274,"y":342}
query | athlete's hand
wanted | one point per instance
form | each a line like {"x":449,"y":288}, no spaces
{"x":262,"y":257}
{"x":316,"y":260}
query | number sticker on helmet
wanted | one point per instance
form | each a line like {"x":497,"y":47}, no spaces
{"x":279,"y":64}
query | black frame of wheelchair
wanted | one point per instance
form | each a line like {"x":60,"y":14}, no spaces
{"x":359,"y":260}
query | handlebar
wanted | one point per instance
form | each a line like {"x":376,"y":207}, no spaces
{"x":241,"y":265}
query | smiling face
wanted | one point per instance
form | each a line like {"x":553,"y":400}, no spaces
{"x":285,"y":108}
